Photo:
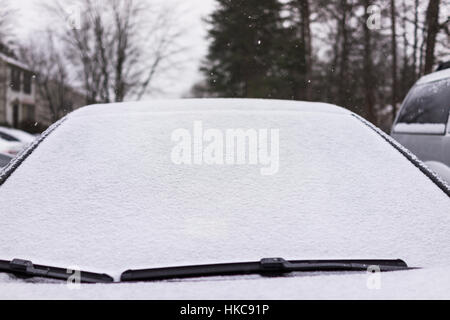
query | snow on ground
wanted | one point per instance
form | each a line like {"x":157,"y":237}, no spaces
{"x":102,"y":194}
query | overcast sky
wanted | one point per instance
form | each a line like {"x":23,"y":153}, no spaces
{"x":32,"y":18}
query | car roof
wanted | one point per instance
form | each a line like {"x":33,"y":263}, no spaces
{"x":435,"y":76}
{"x":100,"y":191}
{"x":205,"y":105}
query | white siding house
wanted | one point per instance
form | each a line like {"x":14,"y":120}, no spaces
{"x":17,"y":93}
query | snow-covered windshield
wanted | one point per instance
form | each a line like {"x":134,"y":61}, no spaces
{"x":110,"y":196}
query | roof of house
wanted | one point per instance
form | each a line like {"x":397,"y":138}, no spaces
{"x":14,"y":62}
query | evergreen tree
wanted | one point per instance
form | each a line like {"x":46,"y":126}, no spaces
{"x":252,"y":52}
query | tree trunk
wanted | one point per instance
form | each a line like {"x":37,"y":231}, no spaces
{"x":368,"y":70}
{"x":432,"y":22}
{"x":405,"y":75}
{"x":416,"y":29}
{"x":343,"y":68}
{"x":422,"y":54}
{"x":306,"y":36}
{"x":394,"y":59}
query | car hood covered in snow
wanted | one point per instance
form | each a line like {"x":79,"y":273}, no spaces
{"x":414,"y":284}
{"x":103,"y":194}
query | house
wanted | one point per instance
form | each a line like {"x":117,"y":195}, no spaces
{"x":17,"y":93}
{"x":26,"y":106}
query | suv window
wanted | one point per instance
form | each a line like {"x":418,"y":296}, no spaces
{"x":426,"y":109}
{"x":7,"y":137}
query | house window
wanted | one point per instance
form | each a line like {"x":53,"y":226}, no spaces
{"x":28,"y":113}
{"x":15,"y":115}
{"x":27,"y":82}
{"x":15,"y":79}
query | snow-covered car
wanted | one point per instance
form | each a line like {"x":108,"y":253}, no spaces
{"x":423,"y":123}
{"x":12,"y":141}
{"x":305,"y":200}
{"x":4,"y":159}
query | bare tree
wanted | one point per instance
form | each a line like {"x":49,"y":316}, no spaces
{"x":345,"y":11}
{"x":50,"y":73}
{"x":369,"y":78}
{"x":305,"y":29}
{"x":120,"y":46}
{"x":416,"y":40}
{"x":394,"y":58}
{"x":432,"y":27}
{"x":6,"y":27}
{"x":406,"y":74}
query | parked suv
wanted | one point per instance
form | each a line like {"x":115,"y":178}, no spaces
{"x":423,"y":124}
{"x":12,"y":141}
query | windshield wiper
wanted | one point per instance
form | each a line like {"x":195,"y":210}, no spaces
{"x":26,"y":269}
{"x":265,"y":267}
